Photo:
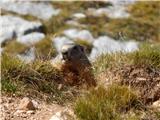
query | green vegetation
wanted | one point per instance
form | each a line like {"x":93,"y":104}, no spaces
{"x":142,"y":25}
{"x":146,"y":56}
{"x":37,"y":79}
{"x":45,"y":49}
{"x":14,"y":47}
{"x":106,"y":104}
{"x":97,"y":25}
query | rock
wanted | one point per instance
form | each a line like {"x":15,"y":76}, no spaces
{"x":79,"y":15}
{"x":116,"y":10}
{"x":156,"y":105}
{"x":31,"y":39}
{"x":19,"y":112}
{"x":30,"y":112}
{"x":26,"y":104}
{"x":111,"y":11}
{"x":79,"y":34}
{"x":28,"y":56}
{"x":65,"y":114}
{"x":13,"y":27}
{"x":42,"y":10}
{"x":107,"y":45}
{"x":60,"y":41}
{"x":75,"y":23}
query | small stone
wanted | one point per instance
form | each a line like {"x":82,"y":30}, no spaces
{"x":59,"y":86}
{"x":156,"y":105}
{"x":26,"y":104}
{"x":30,"y":112}
{"x":35,"y":103}
{"x":18,"y":112}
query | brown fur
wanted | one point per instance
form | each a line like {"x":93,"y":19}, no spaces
{"x":78,"y":70}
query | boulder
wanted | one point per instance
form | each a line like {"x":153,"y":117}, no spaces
{"x":107,"y":45}
{"x":31,"y":39}
{"x":79,"y":34}
{"x":41,"y":10}
{"x":13,"y":27}
{"x":60,"y":41}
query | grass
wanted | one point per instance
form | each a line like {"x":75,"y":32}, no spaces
{"x":14,"y":47}
{"x":97,"y":25}
{"x":146,"y":56}
{"x":142,"y":25}
{"x":45,"y":49}
{"x":106,"y":104}
{"x":38,"y":79}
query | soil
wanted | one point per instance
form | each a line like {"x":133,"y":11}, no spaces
{"x":44,"y":112}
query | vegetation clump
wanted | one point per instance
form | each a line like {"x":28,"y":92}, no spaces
{"x":142,"y":25}
{"x":37,"y":79}
{"x":45,"y":49}
{"x":106,"y":104}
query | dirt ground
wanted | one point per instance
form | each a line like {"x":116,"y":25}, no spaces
{"x":43,"y":112}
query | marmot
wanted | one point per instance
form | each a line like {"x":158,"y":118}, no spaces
{"x":76,"y":66}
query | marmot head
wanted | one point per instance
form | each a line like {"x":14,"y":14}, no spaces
{"x":72,"y":52}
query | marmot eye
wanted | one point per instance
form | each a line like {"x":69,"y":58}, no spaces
{"x":75,"y":48}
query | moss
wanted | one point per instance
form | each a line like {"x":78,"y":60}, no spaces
{"x":45,"y":49}
{"x":105,"y":104}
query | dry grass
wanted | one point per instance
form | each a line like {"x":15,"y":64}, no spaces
{"x":38,"y":79}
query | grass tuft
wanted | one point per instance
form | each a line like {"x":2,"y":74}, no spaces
{"x":38,"y":79}
{"x":105,"y":104}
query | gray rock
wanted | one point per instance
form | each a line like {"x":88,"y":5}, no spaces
{"x":28,"y":56}
{"x":75,"y":23}
{"x":117,"y":10}
{"x":60,"y":41}
{"x":42,"y":10}
{"x":79,"y":34}
{"x":107,"y":45}
{"x":79,"y":15}
{"x":13,"y":27}
{"x":111,"y":11}
{"x":31,"y":39}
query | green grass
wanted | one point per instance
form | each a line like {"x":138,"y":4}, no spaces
{"x":38,"y":79}
{"x":97,"y":25}
{"x":106,"y":104}
{"x":14,"y":47}
{"x":147,"y":55}
{"x":142,"y":25}
{"x":45,"y":49}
